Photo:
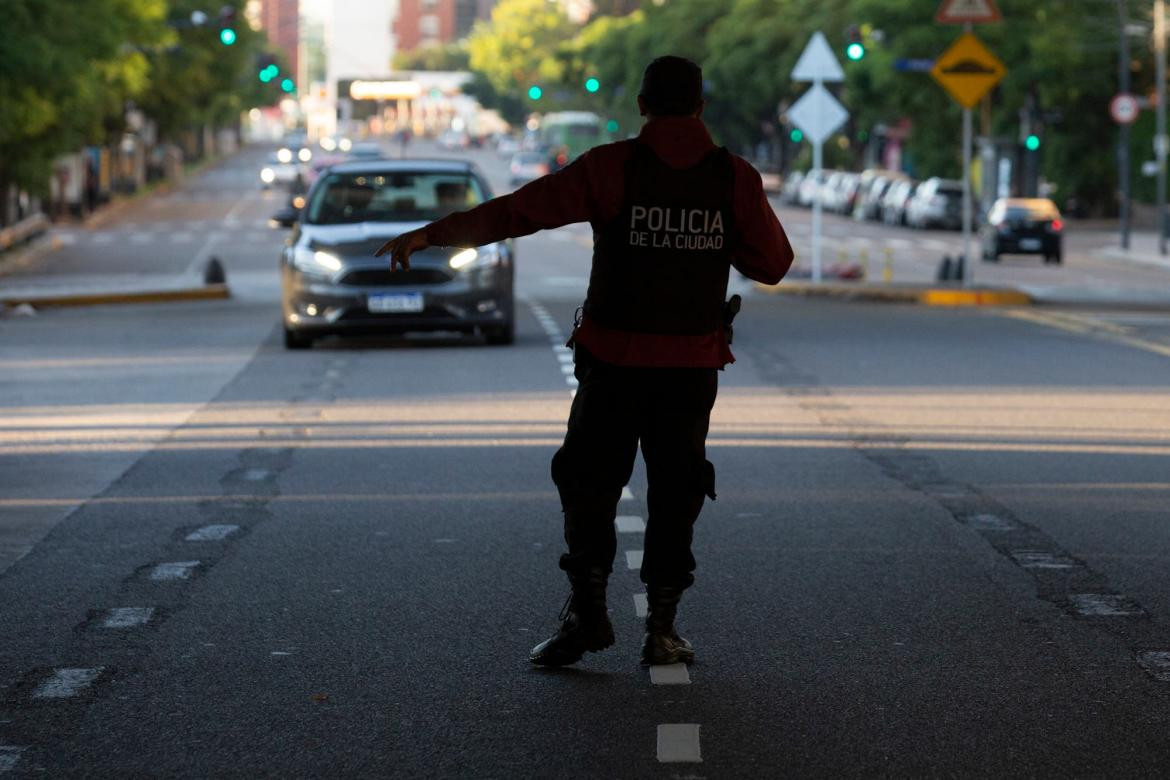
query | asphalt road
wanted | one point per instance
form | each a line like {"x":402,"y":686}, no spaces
{"x":939,"y":545}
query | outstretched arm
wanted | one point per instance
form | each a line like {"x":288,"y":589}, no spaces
{"x":572,"y":194}
{"x":763,"y":252}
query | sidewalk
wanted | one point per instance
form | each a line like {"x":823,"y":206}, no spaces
{"x":1143,"y":249}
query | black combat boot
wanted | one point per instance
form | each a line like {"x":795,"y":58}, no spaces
{"x":585,"y":623}
{"x":663,"y":645}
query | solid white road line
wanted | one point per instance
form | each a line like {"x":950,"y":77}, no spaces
{"x":1036,"y":559}
{"x":9,"y":756}
{"x":66,"y":683}
{"x":174,"y":570}
{"x":630,"y":524}
{"x":203,"y":252}
{"x":670,"y":674}
{"x":212,"y":533}
{"x":627,"y":494}
{"x":678,"y":743}
{"x":236,"y":209}
{"x":128,"y":617}
{"x":257,"y":475}
{"x":641,"y":607}
{"x":990,"y":523}
{"x":634,"y":559}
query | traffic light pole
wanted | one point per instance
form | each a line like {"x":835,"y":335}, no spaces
{"x":1123,"y":128}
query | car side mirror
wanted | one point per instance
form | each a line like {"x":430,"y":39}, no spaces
{"x":287,"y":216}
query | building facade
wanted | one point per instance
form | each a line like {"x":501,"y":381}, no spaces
{"x":434,"y":22}
{"x":280,"y":20}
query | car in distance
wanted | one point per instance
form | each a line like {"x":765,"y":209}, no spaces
{"x":936,"y":203}
{"x":893,"y":208}
{"x":367,"y":150}
{"x":333,"y":285}
{"x":526,"y":166}
{"x":281,"y":167}
{"x":1023,"y":226}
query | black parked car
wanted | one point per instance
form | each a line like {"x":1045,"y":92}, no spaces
{"x":333,"y":284}
{"x":1029,"y":226}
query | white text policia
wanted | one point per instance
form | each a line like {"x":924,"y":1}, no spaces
{"x":659,"y":227}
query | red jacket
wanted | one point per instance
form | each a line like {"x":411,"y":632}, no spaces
{"x":590,"y":190}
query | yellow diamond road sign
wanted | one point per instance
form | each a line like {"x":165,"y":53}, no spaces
{"x":968,"y":70}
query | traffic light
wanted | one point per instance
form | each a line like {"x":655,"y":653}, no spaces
{"x":796,"y":135}
{"x":854,"y":43}
{"x":227,"y":25}
{"x":269,"y":72}
{"x":288,"y":85}
{"x":1032,"y":142}
{"x":611,"y":126}
{"x":535,"y":92}
{"x":592,"y":85}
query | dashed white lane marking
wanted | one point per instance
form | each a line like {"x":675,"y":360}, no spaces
{"x":630,"y":524}
{"x":182,"y":238}
{"x":565,"y":357}
{"x":1103,"y":605}
{"x":567,"y":369}
{"x":641,"y":606}
{"x":212,"y":533}
{"x":102,"y":238}
{"x":678,"y":743}
{"x":990,"y":523}
{"x":128,"y":617}
{"x":140,"y":238}
{"x":66,"y":683}
{"x":9,"y":756}
{"x":174,"y":570}
{"x":257,"y":475}
{"x":627,"y":494}
{"x":633,"y":559}
{"x":670,"y":674}
{"x":1037,"y":559}
{"x":1156,"y":663}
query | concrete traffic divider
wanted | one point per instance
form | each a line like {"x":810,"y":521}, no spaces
{"x":901,"y":293}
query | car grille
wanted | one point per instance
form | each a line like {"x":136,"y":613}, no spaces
{"x":384,"y":277}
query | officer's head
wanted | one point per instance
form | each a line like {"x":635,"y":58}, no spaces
{"x":671,"y":86}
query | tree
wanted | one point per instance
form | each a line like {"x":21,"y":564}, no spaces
{"x":521,"y":45}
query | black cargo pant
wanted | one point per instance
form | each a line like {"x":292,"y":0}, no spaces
{"x":668,"y":411}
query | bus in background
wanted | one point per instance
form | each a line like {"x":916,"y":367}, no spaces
{"x":565,"y":135}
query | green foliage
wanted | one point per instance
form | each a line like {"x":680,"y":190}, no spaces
{"x":452,"y":56}
{"x":521,"y":45}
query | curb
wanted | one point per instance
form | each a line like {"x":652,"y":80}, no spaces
{"x":918,"y":294}
{"x":205,"y":293}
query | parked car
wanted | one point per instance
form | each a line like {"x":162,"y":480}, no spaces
{"x":526,"y":166}
{"x":895,"y":200}
{"x":1030,"y":226}
{"x":790,"y":190}
{"x":936,"y":203}
{"x":332,"y":283}
{"x":366,"y":150}
{"x":846,"y":193}
{"x":829,"y":191}
{"x":810,"y":187}
{"x":869,"y":200}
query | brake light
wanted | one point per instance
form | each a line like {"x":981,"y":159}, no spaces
{"x":1056,"y":225}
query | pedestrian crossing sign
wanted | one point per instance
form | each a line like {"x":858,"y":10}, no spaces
{"x":968,"y":70}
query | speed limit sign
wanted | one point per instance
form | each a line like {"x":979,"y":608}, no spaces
{"x":1124,"y":109}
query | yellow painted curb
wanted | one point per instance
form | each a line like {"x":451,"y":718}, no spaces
{"x":927,"y":296}
{"x":974,"y":298}
{"x":208,"y":292}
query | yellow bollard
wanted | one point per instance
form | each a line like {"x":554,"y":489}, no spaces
{"x":888,"y":266}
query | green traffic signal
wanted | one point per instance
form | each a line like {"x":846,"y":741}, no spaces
{"x":611,"y":126}
{"x":535,"y":92}
{"x":796,"y":135}
{"x":227,"y":36}
{"x":592,"y":85}
{"x":288,"y":85}
{"x":855,"y":51}
{"x":1032,"y":142}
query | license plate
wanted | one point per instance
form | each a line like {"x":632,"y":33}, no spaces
{"x":1029,"y":243}
{"x":396,"y":303}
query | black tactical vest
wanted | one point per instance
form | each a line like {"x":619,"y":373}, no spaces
{"x":661,"y":265}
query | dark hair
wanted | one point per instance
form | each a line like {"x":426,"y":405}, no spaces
{"x":672,"y":86}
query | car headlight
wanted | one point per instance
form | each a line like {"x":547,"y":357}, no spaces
{"x":284,"y":155}
{"x":267,"y":175}
{"x":328,"y":144}
{"x":345,"y":144}
{"x":298,"y":202}
{"x":314,"y":261}
{"x":466,"y":259}
{"x":304,"y":155}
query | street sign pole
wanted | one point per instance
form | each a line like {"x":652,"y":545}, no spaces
{"x":968,"y":260}
{"x":818,"y":161}
{"x":818,"y":114}
{"x":1160,"y":134}
{"x":1123,"y":129}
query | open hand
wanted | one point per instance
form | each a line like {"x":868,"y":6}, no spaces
{"x":400,"y":248}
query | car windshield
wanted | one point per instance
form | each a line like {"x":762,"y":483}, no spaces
{"x":407,"y":196}
{"x":1029,"y":213}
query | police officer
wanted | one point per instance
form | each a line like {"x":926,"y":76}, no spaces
{"x":671,"y":214}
